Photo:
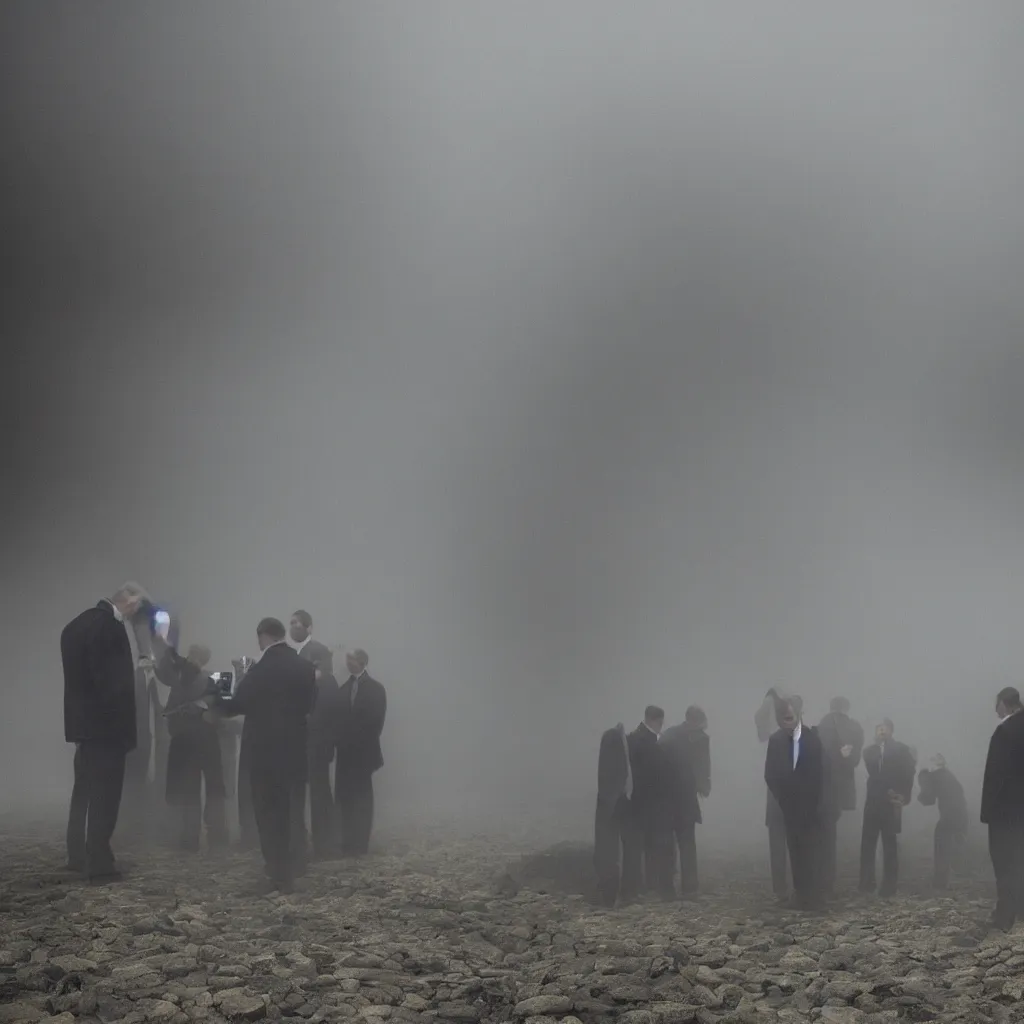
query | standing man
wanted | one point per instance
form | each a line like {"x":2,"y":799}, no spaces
{"x":362,"y":705}
{"x":764,"y":720}
{"x":689,"y":751}
{"x":300,"y":630}
{"x":1002,"y":809}
{"x":99,"y":718}
{"x":646,"y":860}
{"x":611,"y":817}
{"x":891,"y":768}
{"x":938,"y":785}
{"x":276,"y":697}
{"x":843,"y":739}
{"x":795,"y":771}
{"x":323,"y":732}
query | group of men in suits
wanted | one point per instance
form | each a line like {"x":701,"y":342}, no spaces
{"x":650,"y":783}
{"x":297,"y":724}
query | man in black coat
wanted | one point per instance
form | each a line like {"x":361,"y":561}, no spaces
{"x":647,"y":862}
{"x":1002,"y":808}
{"x":689,"y":751}
{"x":938,"y":785}
{"x":323,"y":731}
{"x":362,"y":705}
{"x":796,"y":773}
{"x":843,"y":739}
{"x":276,"y":696}
{"x":764,"y":720}
{"x":194,"y":755}
{"x":891,"y":767}
{"x":611,"y":817}
{"x":99,"y":718}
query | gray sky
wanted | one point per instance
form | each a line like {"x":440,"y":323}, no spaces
{"x":565,"y":356}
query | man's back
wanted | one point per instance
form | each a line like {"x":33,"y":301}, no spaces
{"x":1002,"y":795}
{"x":276,"y":697}
{"x":99,"y":679}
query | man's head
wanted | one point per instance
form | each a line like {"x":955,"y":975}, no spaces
{"x":884,"y":731}
{"x":356,"y":662}
{"x":198,"y":655}
{"x":268,"y":632}
{"x":696,"y":718}
{"x":788,"y":711}
{"x":1008,"y":702}
{"x":654,"y":718}
{"x":321,"y":657}
{"x":128,"y":599}
{"x":839,"y":706}
{"x":938,"y":762}
{"x":300,"y":626}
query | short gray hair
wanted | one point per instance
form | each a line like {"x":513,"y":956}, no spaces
{"x":129,"y":591}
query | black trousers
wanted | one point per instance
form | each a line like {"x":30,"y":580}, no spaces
{"x":610,"y":822}
{"x":194,"y":761}
{"x":778,"y":857}
{"x":879,"y":822}
{"x":248,"y":830}
{"x":647,"y":862}
{"x":684,"y":840}
{"x":95,"y":804}
{"x":272,"y":806}
{"x":829,"y":854}
{"x":1006,"y":848}
{"x":804,"y":842}
{"x":353,"y":795}
{"x":299,"y":843}
{"x":321,"y":803}
{"x":949,"y":844}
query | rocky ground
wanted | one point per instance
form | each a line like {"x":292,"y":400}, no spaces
{"x":460,"y":930}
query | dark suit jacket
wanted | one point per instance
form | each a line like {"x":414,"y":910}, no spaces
{"x":323,"y":722}
{"x":895,"y":772}
{"x":689,"y":753}
{"x":837,"y":731}
{"x":276,"y":696}
{"x":940,"y":786}
{"x":1002,"y":793}
{"x":99,"y":679}
{"x":801,"y":792}
{"x":360,"y":726}
{"x":650,"y":769}
{"x":612,"y":766}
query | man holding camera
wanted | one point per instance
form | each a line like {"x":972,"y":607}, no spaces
{"x":99,"y":718}
{"x":194,"y":756}
{"x":276,"y":697}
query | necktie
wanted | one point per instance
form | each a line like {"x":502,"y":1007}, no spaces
{"x":355,"y":687}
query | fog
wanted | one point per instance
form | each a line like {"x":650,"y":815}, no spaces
{"x":566,"y":357}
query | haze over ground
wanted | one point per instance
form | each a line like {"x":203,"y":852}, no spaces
{"x":566,"y":357}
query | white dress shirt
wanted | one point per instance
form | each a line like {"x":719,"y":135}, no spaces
{"x":796,"y":743}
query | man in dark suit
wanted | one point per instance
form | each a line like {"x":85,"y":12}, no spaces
{"x":891,"y":768}
{"x":614,"y":788}
{"x":362,"y":705}
{"x":796,"y":773}
{"x":938,"y":785}
{"x":689,"y":751}
{"x":843,"y":739}
{"x":323,"y":731}
{"x":276,"y":697}
{"x":646,"y":855}
{"x":1002,"y":808}
{"x":100,"y":719}
{"x":764,"y":720}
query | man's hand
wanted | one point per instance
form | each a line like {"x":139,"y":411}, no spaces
{"x":846,"y":751}
{"x":147,"y":664}
{"x":895,"y":798}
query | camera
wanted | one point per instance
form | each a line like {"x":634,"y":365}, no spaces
{"x":224,"y":683}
